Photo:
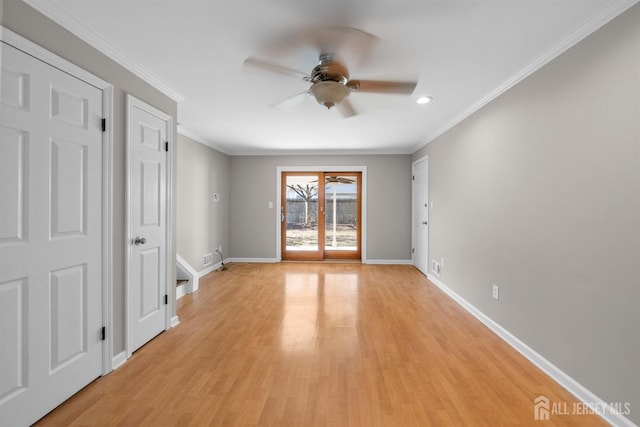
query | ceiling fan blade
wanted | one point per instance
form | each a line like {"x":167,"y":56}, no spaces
{"x":260,"y":64}
{"x":380,"y":86}
{"x":349,"y":44}
{"x":346,"y":108}
{"x":291,"y":100}
{"x":337,"y":179}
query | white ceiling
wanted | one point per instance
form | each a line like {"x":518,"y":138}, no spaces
{"x":463,"y":53}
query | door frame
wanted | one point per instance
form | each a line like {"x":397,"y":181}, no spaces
{"x":349,"y":255}
{"x":414,"y":230}
{"x":363,"y":219}
{"x":131,"y":102}
{"x":30,"y":48}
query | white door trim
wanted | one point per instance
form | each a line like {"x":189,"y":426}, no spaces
{"x":413,"y":210}
{"x":131,"y":102}
{"x":362,"y":169}
{"x":27,"y":46}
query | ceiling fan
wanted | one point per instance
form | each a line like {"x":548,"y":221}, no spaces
{"x":331,"y":84}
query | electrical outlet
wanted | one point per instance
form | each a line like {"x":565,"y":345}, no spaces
{"x":496,"y":292}
{"x":442,"y":262}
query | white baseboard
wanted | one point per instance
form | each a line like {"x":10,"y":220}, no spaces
{"x":119,"y":360}
{"x":183,"y":290}
{"x":192,"y":275}
{"x":609,"y":413}
{"x":175,"y":321}
{"x":256,"y":260}
{"x":368,"y":261}
{"x":209,"y":269}
{"x":388,"y":261}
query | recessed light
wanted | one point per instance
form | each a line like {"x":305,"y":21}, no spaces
{"x":424,"y":100}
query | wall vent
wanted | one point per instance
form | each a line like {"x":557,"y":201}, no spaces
{"x":207,"y":259}
{"x":435,"y":268}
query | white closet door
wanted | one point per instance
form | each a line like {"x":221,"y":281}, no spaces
{"x":50,"y":236}
{"x":421,"y":215}
{"x":147,"y":139}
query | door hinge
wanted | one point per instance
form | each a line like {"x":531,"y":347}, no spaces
{"x":166,"y":146}
{"x":104,"y":125}
{"x":104,"y":333}
{"x":413,"y":250}
{"x":166,"y":299}
{"x":413,"y":177}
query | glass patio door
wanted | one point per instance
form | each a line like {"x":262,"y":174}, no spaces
{"x":302,"y":216}
{"x":320,"y":215}
{"x":342,"y":215}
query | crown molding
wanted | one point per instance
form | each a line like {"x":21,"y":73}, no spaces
{"x":73,"y":25}
{"x":197,"y":138}
{"x":334,"y":152}
{"x":284,"y":152}
{"x":573,"y":38}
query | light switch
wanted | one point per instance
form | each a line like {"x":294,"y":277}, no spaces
{"x":270,"y":204}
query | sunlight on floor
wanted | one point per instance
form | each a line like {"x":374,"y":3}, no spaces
{"x":318,"y":306}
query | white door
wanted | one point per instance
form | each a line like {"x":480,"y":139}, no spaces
{"x":421,"y":215}
{"x":50,"y":236}
{"x":148,"y":132}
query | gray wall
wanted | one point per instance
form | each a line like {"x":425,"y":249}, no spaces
{"x":22,"y":19}
{"x":202,"y":224}
{"x":539,"y":193}
{"x":253,"y":185}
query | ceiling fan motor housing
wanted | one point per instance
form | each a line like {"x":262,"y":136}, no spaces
{"x":329,"y":69}
{"x":329,"y":80}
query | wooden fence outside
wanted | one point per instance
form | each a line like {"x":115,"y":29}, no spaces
{"x":346,"y":211}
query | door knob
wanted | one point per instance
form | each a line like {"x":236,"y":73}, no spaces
{"x":139,"y":241}
{"x":424,"y":222}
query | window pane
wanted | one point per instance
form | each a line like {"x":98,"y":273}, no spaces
{"x":341,"y":212}
{"x":302,"y":213}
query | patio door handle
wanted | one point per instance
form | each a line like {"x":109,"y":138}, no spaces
{"x":281,"y":213}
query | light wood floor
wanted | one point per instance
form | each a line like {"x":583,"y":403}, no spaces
{"x":299,"y":344}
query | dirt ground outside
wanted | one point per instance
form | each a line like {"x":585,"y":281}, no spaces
{"x":299,"y":235}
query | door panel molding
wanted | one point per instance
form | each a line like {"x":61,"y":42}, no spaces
{"x":420,"y":215}
{"x":67,"y":282}
{"x":150,"y":140}
{"x":363,"y":213}
{"x":27,"y":46}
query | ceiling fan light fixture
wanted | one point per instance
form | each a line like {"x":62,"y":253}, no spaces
{"x":424,"y":99}
{"x":329,"y":93}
